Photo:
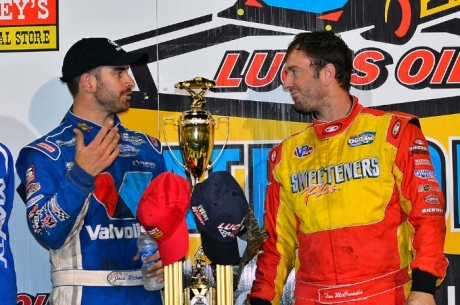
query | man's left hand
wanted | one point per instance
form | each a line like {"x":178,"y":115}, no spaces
{"x":155,"y":269}
{"x":420,"y":298}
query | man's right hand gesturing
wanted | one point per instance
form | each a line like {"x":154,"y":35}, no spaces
{"x":101,"y":152}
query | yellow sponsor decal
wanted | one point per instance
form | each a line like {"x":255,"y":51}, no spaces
{"x":25,"y":38}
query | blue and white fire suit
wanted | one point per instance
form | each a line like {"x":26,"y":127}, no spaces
{"x":88,"y":223}
{"x":8,"y":289}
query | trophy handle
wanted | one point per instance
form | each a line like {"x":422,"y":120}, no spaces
{"x":167,"y":142}
{"x":226,"y":139}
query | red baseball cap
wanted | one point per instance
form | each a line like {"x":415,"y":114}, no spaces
{"x":161,"y":211}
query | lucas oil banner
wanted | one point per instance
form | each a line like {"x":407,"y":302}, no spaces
{"x":406,"y":58}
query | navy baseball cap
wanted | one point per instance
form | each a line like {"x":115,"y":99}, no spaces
{"x":89,"y":53}
{"x":219,"y":206}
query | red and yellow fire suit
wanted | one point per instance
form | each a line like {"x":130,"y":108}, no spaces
{"x":354,"y":206}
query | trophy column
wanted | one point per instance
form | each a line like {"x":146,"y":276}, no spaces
{"x":196,"y":141}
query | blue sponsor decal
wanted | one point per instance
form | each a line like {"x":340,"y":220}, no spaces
{"x":303,"y":151}
{"x":365,"y":138}
{"x":425,"y":174}
{"x":128,"y":151}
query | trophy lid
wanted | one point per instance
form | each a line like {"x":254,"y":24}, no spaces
{"x":199,"y":83}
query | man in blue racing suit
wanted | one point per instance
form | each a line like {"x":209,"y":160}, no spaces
{"x":8,"y":289}
{"x":83,"y":181}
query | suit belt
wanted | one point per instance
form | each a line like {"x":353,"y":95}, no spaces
{"x":334,"y":294}
{"x":101,"y":278}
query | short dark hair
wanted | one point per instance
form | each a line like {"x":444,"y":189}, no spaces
{"x":324,"y":47}
{"x":73,"y":83}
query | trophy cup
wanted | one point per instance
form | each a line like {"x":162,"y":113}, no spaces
{"x":196,"y":141}
{"x":196,"y":130}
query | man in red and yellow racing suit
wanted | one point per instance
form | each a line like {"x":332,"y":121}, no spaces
{"x":354,"y":205}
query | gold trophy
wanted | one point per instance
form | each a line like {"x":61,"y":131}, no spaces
{"x":196,"y":130}
{"x":196,"y":141}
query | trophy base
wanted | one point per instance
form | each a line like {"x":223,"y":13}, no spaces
{"x":200,"y":295}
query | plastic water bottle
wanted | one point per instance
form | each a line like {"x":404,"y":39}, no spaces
{"x":148,"y":246}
